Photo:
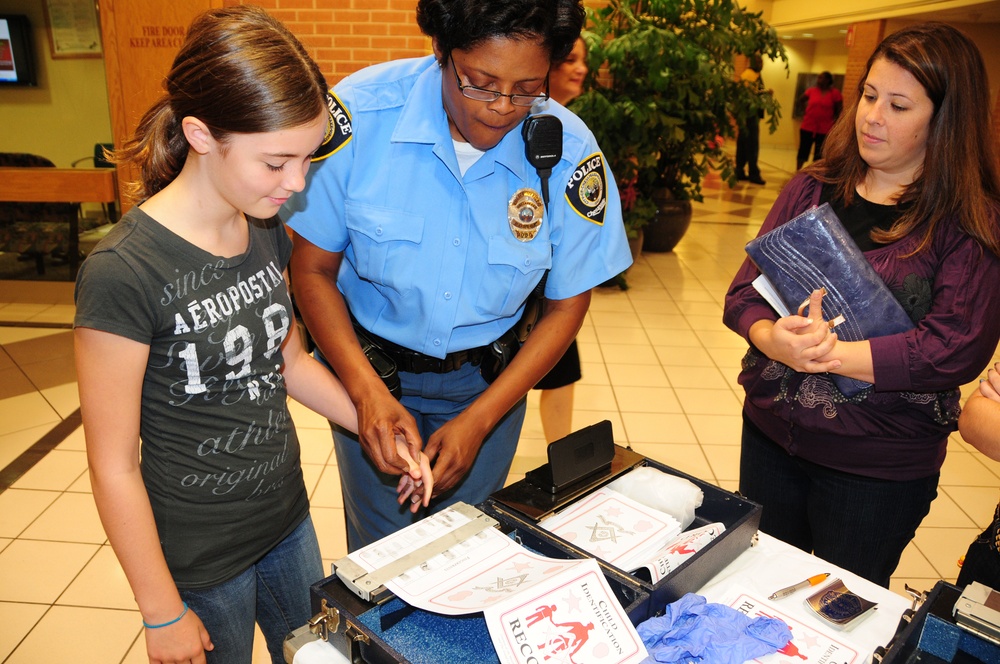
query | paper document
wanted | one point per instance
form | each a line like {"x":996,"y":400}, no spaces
{"x":576,"y":620}
{"x":615,"y":528}
{"x":810,"y":642}
{"x":536,"y":608}
{"x":682,"y":547}
{"x":767,"y":290}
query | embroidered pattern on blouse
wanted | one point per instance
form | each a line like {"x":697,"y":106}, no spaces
{"x":946,"y":408}
{"x":916,"y":296}
{"x":814,"y":391}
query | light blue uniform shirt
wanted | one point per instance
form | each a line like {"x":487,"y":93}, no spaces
{"x":430,"y":258}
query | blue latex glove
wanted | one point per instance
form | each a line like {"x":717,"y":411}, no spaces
{"x":691,"y":630}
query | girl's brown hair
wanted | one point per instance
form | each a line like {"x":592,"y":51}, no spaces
{"x":240,"y":71}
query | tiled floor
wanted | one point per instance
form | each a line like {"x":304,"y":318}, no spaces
{"x":657,"y":362}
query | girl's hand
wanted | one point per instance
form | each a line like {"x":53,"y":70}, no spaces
{"x":417,"y":484}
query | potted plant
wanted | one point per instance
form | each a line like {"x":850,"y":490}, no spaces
{"x":662,"y":95}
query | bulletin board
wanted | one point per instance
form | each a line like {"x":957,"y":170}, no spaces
{"x":74,"y":29}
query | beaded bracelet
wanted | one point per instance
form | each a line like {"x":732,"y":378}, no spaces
{"x":169,"y":622}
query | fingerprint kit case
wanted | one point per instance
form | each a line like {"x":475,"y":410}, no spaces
{"x":953,"y":625}
{"x":369,"y":624}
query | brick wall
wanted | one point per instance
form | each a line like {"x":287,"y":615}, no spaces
{"x":867,"y":36}
{"x":344,"y":36}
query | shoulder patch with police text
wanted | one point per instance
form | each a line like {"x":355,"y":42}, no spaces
{"x":338,"y":128}
{"x":587,"y":189}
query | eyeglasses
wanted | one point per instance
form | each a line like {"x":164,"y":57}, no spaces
{"x":489,"y":96}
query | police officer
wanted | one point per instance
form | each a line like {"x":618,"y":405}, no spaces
{"x":424,"y":222}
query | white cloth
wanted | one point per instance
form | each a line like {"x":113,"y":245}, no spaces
{"x":773,"y":564}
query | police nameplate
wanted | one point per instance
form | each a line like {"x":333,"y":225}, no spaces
{"x":338,"y":128}
{"x":524,"y":212}
{"x":587,"y":189}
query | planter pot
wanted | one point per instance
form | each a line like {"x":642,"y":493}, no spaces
{"x":635,"y":245}
{"x":669,"y":225}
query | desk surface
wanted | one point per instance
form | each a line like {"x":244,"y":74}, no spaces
{"x":772,"y":564}
{"x":759,"y":571}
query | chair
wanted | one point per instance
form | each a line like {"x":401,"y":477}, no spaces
{"x":37,"y":230}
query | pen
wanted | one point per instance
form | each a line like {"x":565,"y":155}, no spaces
{"x":811,"y":581}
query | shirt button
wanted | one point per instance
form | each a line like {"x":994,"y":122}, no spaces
{"x":457,"y":241}
{"x":437,"y":342}
{"x":378,"y":230}
{"x":527,"y":262}
{"x":447,"y":295}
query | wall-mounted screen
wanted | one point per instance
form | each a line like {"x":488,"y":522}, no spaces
{"x":17,"y":57}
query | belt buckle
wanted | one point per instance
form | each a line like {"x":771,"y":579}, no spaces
{"x":420,"y":363}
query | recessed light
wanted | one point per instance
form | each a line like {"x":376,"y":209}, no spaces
{"x":807,"y":34}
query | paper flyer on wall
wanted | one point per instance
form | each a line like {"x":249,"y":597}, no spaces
{"x":809,"y":644}
{"x":615,"y":528}
{"x":572,"y":619}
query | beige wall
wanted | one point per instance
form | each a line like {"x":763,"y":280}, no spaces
{"x":67,"y":113}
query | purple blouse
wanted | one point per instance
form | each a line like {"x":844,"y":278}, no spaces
{"x":899,"y":429}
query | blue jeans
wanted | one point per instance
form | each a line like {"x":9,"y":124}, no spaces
{"x":273,"y":592}
{"x":433,"y":399}
{"x":861,"y":524}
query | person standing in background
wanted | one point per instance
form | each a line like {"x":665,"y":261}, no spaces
{"x":823,"y":105}
{"x":186,"y":350}
{"x":912,"y":173}
{"x":555,"y":403}
{"x":979,"y":424}
{"x":748,"y":134}
{"x":424,"y":228}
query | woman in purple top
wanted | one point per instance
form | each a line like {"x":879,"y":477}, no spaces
{"x":850,"y":479}
{"x":823,"y":105}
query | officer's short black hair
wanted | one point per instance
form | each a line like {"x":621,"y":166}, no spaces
{"x":464,"y":24}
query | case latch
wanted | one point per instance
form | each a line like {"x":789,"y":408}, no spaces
{"x":355,"y":637}
{"x":326,"y":622}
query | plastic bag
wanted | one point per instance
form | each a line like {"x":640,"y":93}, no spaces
{"x":668,"y":493}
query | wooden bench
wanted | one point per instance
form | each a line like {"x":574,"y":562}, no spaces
{"x":59,"y":185}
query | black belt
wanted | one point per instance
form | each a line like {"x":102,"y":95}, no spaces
{"x":411,"y":361}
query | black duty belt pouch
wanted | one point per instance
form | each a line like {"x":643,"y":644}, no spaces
{"x":382,"y":363}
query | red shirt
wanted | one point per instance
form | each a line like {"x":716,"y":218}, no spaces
{"x":820,"y":107}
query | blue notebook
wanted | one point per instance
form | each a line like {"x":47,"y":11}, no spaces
{"x":814,"y":250}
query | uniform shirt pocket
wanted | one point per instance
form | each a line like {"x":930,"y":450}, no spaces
{"x":383,"y":243}
{"x":515,"y":268}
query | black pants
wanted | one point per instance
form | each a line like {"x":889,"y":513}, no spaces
{"x":982,"y":560}
{"x":748,"y":148}
{"x":809,"y":140}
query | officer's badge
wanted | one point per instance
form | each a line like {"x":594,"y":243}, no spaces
{"x":587,"y":189}
{"x":524,"y":212}
{"x":338,"y":128}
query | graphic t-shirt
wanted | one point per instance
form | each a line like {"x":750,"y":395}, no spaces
{"x":220,"y":458}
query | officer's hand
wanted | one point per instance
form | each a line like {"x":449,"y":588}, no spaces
{"x":381,"y":418}
{"x":452,"y":449}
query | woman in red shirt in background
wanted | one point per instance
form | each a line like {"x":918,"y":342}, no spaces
{"x":823,"y":105}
